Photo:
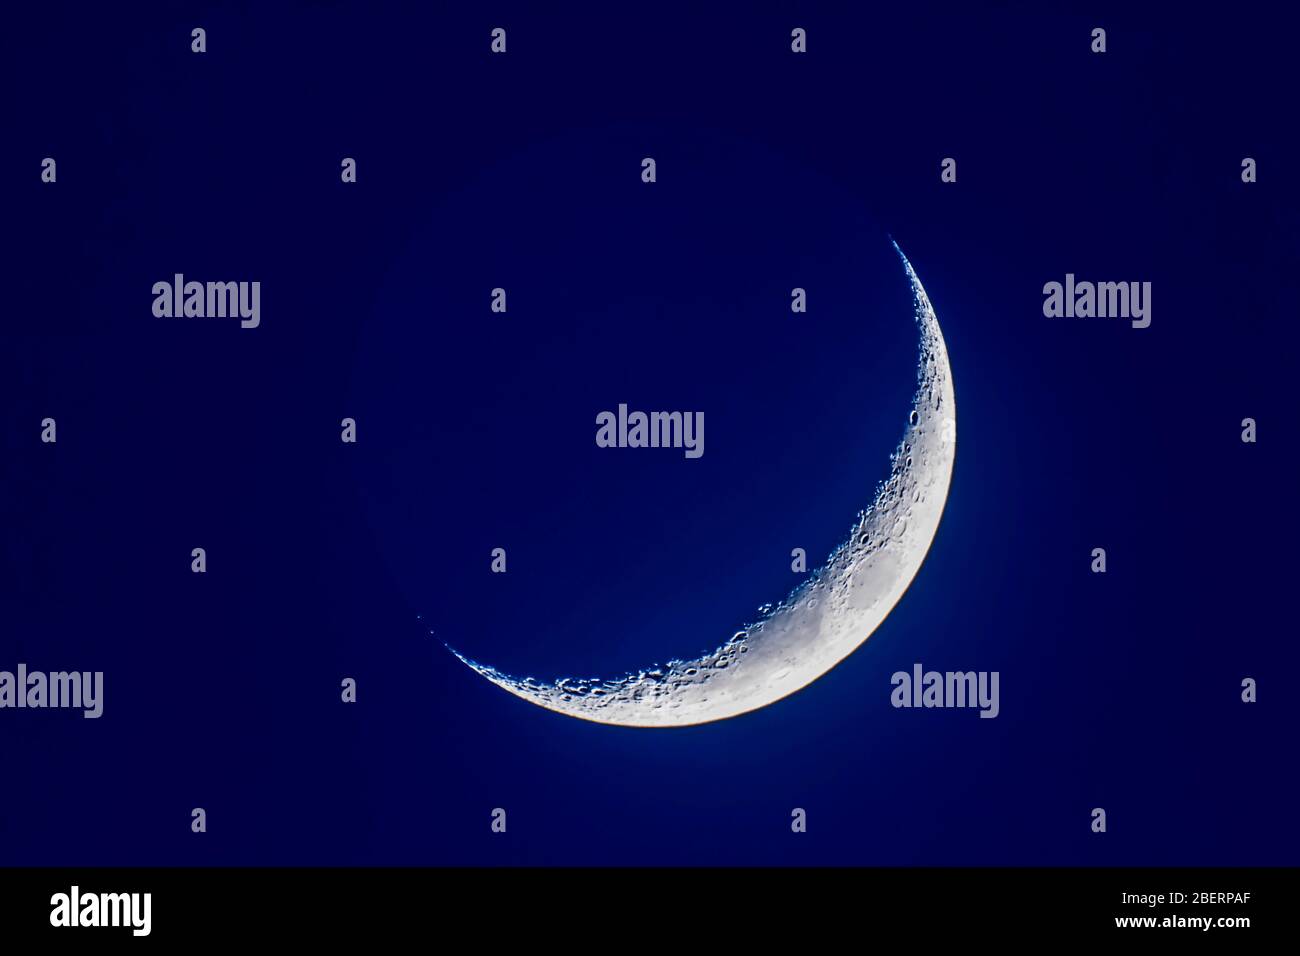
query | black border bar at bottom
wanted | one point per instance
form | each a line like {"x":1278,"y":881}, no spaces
{"x":380,"y":904}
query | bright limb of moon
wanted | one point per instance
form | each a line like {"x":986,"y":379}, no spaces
{"x":823,"y":620}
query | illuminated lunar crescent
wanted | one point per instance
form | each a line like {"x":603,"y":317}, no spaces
{"x":824,"y":619}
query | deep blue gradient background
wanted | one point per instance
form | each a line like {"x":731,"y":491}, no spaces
{"x":328,"y":560}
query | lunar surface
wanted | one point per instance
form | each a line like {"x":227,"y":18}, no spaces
{"x":823,"y":620}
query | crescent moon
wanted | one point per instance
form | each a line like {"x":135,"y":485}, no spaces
{"x":822,"y":621}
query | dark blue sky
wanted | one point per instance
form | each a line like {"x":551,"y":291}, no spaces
{"x":476,"y":430}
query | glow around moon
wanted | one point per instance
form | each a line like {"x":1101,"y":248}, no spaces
{"x":823,"y":620}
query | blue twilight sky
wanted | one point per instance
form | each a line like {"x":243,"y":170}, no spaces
{"x":476,"y":430}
